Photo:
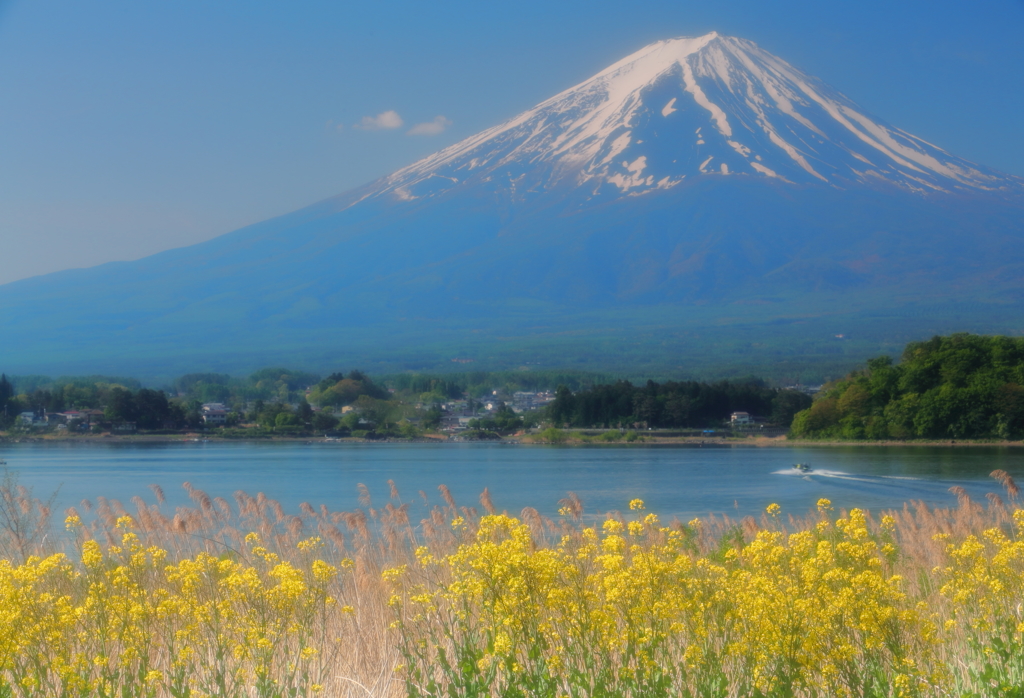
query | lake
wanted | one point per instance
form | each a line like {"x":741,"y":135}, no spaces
{"x":674,"y":480}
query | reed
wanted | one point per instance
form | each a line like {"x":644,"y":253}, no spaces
{"x":241,"y":598}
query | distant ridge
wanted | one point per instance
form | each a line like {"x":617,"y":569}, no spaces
{"x":699,"y":201}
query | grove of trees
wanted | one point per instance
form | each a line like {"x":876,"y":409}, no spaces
{"x":673,"y":404}
{"x":958,"y":387}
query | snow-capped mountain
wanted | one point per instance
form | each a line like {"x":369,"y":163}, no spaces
{"x":699,"y":194}
{"x":682,"y":109}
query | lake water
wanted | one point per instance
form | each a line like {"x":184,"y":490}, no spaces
{"x":683,"y":481}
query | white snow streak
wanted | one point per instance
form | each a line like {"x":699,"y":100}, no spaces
{"x":740,"y":148}
{"x":691,"y":86}
{"x":618,"y":145}
{"x":781,"y":117}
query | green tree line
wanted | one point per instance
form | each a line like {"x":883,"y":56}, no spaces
{"x":958,"y":387}
{"x":688,"y":404}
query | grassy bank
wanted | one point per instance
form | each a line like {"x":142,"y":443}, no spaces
{"x":244,"y":599}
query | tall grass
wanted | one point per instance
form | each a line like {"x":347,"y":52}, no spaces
{"x":244,"y":599}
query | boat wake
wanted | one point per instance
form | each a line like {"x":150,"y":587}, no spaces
{"x":876,"y":485}
{"x":819,"y":473}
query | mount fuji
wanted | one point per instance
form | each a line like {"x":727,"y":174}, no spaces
{"x":689,"y":107}
{"x":699,"y":200}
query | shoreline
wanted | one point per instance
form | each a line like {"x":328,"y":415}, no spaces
{"x":645,"y":440}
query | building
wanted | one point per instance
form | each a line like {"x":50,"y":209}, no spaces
{"x":214,"y":413}
{"x":523,"y":401}
{"x":740,"y":419}
{"x":82,"y":420}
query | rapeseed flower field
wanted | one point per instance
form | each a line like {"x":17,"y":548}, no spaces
{"x":247,"y":600}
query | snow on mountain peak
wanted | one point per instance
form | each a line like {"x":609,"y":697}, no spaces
{"x":690,"y":107}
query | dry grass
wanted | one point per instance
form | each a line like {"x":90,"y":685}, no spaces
{"x":357,"y":644}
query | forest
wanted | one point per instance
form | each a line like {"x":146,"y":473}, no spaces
{"x":687,"y":404}
{"x":961,"y":386}
{"x":280,"y":401}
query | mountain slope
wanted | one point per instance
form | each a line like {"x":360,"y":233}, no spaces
{"x":692,"y":106}
{"x":698,"y":183}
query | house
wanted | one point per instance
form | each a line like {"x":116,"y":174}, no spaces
{"x":78,"y":419}
{"x":740,"y":419}
{"x":523,"y":401}
{"x":214,"y":413}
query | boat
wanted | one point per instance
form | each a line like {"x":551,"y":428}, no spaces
{"x":803,"y":467}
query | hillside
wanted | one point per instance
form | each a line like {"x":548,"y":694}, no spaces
{"x":957,"y":387}
{"x":700,"y":198}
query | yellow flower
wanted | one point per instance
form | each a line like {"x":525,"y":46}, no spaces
{"x":636,"y":505}
{"x":393,"y":574}
{"x":502,"y":643}
{"x":92,"y":556}
{"x":773,"y":509}
{"x":309,"y":543}
{"x":612,"y":526}
{"x":323,"y":572}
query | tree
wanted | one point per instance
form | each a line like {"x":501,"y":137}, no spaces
{"x":6,"y":393}
{"x":562,"y":409}
{"x":505,"y":419}
{"x":120,"y":405}
{"x":786,"y":404}
{"x":339,"y":390}
{"x":287,"y":419}
{"x":268,"y":416}
{"x":257,"y":409}
{"x":324,"y":421}
{"x":305,"y":412}
{"x":960,"y":386}
{"x":381,"y":412}
{"x":350,"y":421}
{"x":432,"y":418}
{"x":152,"y":409}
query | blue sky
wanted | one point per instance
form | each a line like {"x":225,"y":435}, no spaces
{"x":131,"y":127}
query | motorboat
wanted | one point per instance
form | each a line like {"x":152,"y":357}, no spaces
{"x":803,"y":467}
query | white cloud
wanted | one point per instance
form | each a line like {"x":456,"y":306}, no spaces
{"x":430,"y":128}
{"x":388,"y":119}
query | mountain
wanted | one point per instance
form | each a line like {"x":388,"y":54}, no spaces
{"x":699,"y":201}
{"x":684,"y":108}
